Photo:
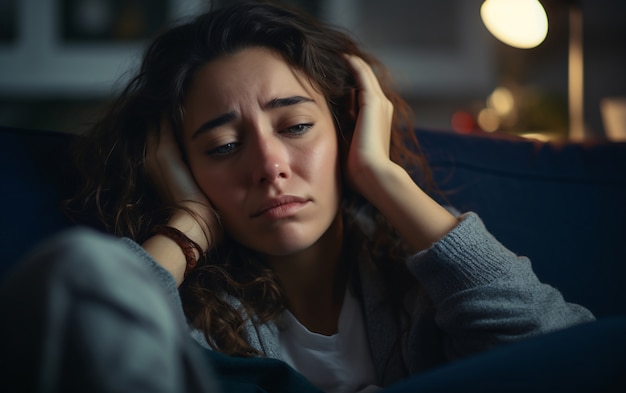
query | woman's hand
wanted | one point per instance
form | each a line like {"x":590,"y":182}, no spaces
{"x":169,"y":172}
{"x":193,"y":215}
{"x":419,"y":219}
{"x":368,"y":157}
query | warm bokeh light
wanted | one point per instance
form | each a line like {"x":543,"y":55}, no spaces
{"x":502,"y":101}
{"x":488,"y":120}
{"x":462,"y":122}
{"x":519,"y":23}
{"x":537,"y":136}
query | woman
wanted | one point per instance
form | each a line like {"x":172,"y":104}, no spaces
{"x":262,"y":159}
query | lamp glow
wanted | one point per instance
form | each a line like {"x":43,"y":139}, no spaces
{"x":519,"y":23}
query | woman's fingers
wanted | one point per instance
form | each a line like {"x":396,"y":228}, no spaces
{"x":167,"y":169}
{"x":369,"y":151}
{"x":365,"y":75}
{"x":175,"y":182}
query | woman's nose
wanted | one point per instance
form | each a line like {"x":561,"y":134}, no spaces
{"x":270,"y":160}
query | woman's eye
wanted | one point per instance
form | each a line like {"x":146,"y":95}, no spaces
{"x":299,"y":128}
{"x":223,"y":149}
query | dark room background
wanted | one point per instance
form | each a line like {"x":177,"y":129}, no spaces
{"x":61,"y":61}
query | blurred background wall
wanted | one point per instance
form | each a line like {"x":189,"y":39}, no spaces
{"x":61,"y":61}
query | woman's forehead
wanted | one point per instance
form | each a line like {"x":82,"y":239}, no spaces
{"x":255,"y":73}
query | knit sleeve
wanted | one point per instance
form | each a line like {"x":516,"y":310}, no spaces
{"x":484,"y":294}
{"x":165,"y":279}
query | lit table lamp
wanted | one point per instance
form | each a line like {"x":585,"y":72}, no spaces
{"x":524,"y":24}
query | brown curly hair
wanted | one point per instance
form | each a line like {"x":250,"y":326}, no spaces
{"x":118,"y":196}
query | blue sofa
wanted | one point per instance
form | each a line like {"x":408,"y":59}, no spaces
{"x":561,"y":204}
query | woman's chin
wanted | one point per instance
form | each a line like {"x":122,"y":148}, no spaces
{"x":282,"y":248}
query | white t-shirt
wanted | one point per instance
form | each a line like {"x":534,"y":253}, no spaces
{"x":338,"y":363}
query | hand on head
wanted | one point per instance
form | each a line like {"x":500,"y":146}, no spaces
{"x":172,"y":177}
{"x":368,"y":156}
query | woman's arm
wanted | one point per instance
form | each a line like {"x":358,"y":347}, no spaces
{"x":416,"y":217}
{"x":486,"y":295}
{"x":168,"y":253}
{"x":483,"y":293}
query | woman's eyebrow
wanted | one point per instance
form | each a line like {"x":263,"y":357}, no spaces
{"x":287,"y":101}
{"x":230,"y":116}
{"x":214,"y":123}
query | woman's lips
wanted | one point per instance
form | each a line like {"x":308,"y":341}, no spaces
{"x":282,"y":207}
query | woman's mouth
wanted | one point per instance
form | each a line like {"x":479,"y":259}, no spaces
{"x":282,"y":207}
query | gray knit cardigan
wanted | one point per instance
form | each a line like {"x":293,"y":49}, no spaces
{"x":474,"y":295}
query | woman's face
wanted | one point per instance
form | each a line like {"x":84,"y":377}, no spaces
{"x":262,"y":145}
